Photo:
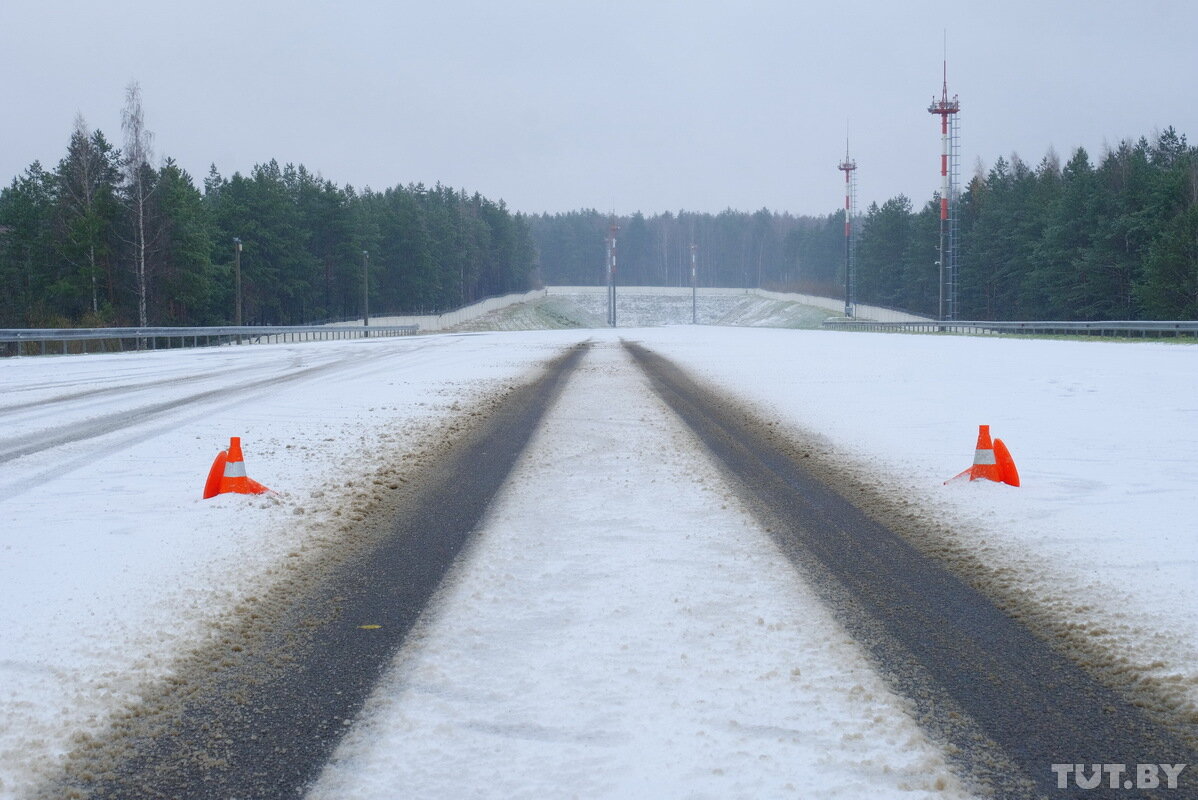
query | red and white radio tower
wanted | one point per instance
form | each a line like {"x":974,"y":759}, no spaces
{"x":949,"y":166}
{"x":848,"y":166}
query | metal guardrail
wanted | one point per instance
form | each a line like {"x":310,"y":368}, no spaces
{"x":42,"y":341}
{"x":1126,"y":328}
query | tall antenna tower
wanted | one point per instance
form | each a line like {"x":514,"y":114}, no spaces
{"x":849,"y":168}
{"x":949,"y":171}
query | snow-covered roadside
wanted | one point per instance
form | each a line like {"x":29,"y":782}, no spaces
{"x":1103,"y":433}
{"x":622,"y":628}
{"x":110,"y":564}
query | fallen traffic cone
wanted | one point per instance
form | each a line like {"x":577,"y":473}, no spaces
{"x":1006,"y":465}
{"x":991,"y":460}
{"x":228,"y":473}
{"x":212,"y":485}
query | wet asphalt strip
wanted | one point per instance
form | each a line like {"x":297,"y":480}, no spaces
{"x":261,"y":721}
{"x":1009,"y":705}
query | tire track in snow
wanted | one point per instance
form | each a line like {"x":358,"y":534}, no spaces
{"x":117,"y":390}
{"x":14,"y":447}
{"x":1011,"y":703}
{"x":136,"y":427}
{"x":18,"y":446}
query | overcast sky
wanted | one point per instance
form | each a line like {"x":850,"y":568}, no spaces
{"x":616,"y":105}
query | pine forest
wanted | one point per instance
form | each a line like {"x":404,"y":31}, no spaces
{"x":106,"y":238}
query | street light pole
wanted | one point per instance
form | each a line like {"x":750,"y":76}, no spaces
{"x":611,"y":274}
{"x":694,"y":287}
{"x":237,"y":280}
{"x":365,"y":289}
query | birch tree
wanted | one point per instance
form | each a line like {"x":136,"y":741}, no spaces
{"x":138,"y":142}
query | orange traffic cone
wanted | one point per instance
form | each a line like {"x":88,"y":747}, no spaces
{"x":991,"y":460}
{"x":215,"y":475}
{"x":228,"y":473}
{"x":1006,"y":465}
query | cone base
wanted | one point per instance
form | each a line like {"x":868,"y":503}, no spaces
{"x":242,"y":486}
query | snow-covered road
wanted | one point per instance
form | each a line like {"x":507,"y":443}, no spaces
{"x":624,"y":629}
{"x":110,"y":565}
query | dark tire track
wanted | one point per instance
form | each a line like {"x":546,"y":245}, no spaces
{"x":14,"y":447}
{"x":117,"y":390}
{"x":18,"y":446}
{"x":1011,"y":704}
{"x":257,"y":714}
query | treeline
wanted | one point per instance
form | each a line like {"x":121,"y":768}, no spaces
{"x":735,"y":249}
{"x":1116,"y":240}
{"x":98,"y":241}
{"x":104,"y":238}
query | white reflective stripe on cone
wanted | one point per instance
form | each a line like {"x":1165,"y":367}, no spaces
{"x":236,"y":469}
{"x":981,"y":458}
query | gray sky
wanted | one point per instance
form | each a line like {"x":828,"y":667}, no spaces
{"x":616,"y":105}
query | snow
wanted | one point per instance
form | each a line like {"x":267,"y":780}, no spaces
{"x":111,"y":565}
{"x":111,"y":562}
{"x":586,"y":307}
{"x":597,"y":647}
{"x":1101,"y":530}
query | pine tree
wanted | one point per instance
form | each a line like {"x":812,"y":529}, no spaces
{"x":184,"y":289}
{"x":1170,"y":287}
{"x":27,"y":249}
{"x":86,"y":184}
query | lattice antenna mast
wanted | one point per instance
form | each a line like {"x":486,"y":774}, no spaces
{"x":849,"y":168}
{"x":949,"y":167}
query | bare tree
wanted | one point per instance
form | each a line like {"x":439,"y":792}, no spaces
{"x":137,"y":163}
